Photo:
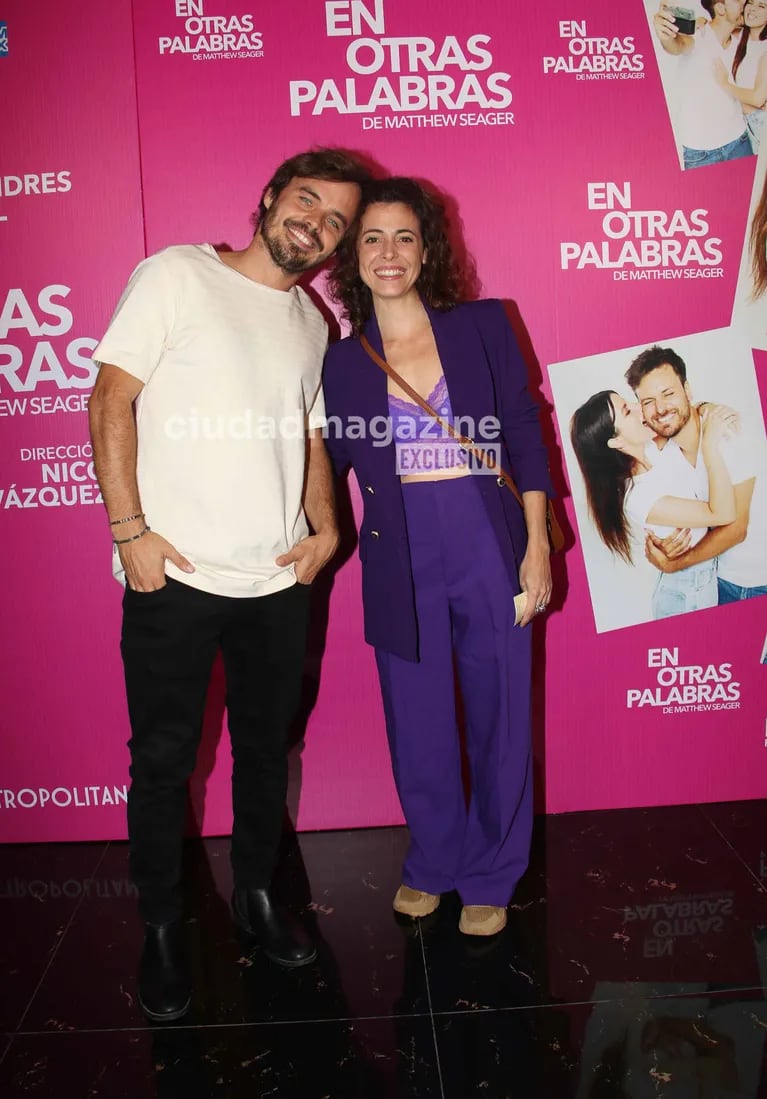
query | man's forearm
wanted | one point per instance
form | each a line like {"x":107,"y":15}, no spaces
{"x":319,"y":497}
{"x":113,"y":432}
{"x":718,"y":539}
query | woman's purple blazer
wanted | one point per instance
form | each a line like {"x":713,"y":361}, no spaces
{"x":486,"y":376}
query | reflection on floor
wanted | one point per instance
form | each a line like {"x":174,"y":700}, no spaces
{"x":634,"y":965}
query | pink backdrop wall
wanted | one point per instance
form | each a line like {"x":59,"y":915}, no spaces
{"x":143,"y":136}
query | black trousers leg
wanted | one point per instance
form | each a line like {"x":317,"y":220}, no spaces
{"x":263,"y":645}
{"x":169,"y":641}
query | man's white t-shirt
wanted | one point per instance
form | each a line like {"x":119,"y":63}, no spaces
{"x":708,"y":116}
{"x":232,"y":379}
{"x":746,"y":563}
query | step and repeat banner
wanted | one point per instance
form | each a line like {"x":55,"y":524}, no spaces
{"x":564,"y":140}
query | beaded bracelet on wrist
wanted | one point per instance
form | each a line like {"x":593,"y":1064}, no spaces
{"x":123,"y":541}
{"x":127,"y":519}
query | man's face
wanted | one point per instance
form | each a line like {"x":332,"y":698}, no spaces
{"x":732,"y":10}
{"x":305,"y":222}
{"x":665,"y":401}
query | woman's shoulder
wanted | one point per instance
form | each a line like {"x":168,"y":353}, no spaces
{"x":342,"y":351}
{"x":480,"y":306}
{"x":483,"y":311}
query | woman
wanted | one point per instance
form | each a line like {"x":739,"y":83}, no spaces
{"x":443,"y":552}
{"x":628,"y":480}
{"x":747,"y":81}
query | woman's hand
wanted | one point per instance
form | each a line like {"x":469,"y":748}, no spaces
{"x":674,"y":544}
{"x":716,"y":424}
{"x":535,"y":579}
{"x":731,"y":416}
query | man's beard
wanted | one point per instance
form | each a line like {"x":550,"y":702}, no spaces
{"x":669,"y":430}
{"x":286,"y":255}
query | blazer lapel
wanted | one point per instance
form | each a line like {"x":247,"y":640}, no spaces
{"x":462,"y":363}
{"x":371,"y":398}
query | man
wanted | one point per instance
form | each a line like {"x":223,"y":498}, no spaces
{"x":709,"y":122}
{"x":659,"y":378}
{"x":209,"y":487}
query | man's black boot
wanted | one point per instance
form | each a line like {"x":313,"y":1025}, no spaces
{"x":164,"y":987}
{"x":281,"y":936}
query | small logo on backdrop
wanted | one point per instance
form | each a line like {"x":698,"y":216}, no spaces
{"x":3,"y":39}
{"x":212,"y":37}
{"x":680,"y":688}
{"x":638,"y":244}
{"x":594,"y":57}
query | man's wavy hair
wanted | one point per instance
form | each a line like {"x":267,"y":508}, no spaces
{"x":331,"y":165}
{"x":440,"y":281}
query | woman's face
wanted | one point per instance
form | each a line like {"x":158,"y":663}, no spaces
{"x":630,"y":428}
{"x":755,"y":13}
{"x":390,"y":249}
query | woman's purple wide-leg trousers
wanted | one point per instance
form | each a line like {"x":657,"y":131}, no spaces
{"x":465,"y":610}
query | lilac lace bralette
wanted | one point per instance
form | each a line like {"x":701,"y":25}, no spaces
{"x":424,"y":447}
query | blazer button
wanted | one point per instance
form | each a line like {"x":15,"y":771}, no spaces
{"x":370,"y":489}
{"x":501,"y":481}
{"x":374,"y":534}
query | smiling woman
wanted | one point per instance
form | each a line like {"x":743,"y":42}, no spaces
{"x":390,"y":249}
{"x":444,"y":554}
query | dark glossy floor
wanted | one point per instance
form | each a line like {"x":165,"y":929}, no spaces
{"x":634,"y":965}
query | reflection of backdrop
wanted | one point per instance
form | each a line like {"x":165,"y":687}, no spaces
{"x":439,"y":89}
{"x":720,"y":369}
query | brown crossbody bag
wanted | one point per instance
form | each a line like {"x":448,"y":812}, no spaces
{"x":556,"y":537}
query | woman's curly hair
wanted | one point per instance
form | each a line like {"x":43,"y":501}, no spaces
{"x":440,"y":281}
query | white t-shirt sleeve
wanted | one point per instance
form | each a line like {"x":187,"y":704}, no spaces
{"x":739,"y":459}
{"x":142,"y":323}
{"x":316,"y":417}
{"x":315,"y":402}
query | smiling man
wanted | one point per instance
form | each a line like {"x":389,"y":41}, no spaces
{"x":206,"y":421}
{"x":658,"y":376}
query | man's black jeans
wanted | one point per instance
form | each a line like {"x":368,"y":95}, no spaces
{"x":170,"y":638}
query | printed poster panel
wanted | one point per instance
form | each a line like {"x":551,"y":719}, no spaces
{"x":635,"y":426}
{"x":710,"y":60}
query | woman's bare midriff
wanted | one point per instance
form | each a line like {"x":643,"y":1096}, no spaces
{"x":448,"y":475}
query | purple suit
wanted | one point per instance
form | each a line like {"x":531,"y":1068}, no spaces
{"x":440,"y":568}
{"x":486,"y":375}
